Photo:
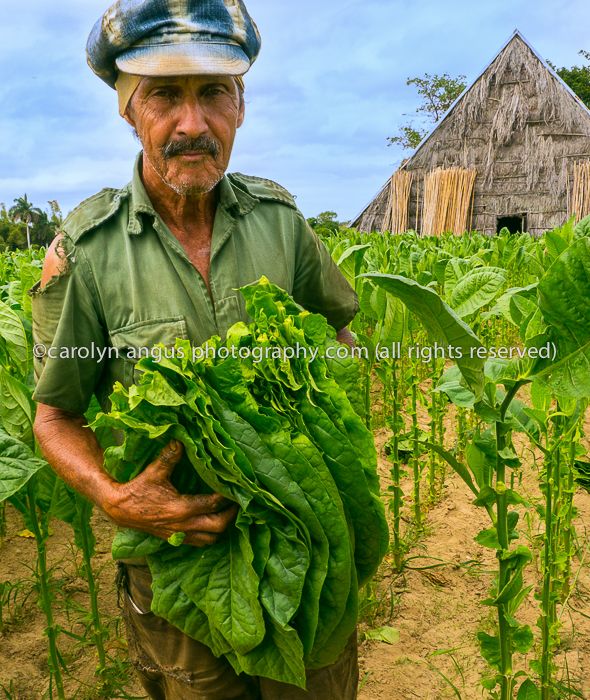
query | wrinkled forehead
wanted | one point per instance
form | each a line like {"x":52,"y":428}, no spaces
{"x":187,"y":81}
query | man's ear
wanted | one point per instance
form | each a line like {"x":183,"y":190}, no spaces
{"x":129,"y":119}
{"x":241,"y":113}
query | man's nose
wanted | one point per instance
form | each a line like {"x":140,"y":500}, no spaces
{"x":191,"y":120}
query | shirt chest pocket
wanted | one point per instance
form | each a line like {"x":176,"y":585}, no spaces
{"x":137,"y":340}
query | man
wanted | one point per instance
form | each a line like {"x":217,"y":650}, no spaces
{"x":160,"y":259}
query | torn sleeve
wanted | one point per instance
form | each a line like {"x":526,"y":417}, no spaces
{"x":69,"y":332}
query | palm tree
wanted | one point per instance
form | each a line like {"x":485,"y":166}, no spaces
{"x":24,"y":210}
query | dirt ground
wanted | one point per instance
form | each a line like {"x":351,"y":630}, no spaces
{"x":437,"y":611}
{"x":24,"y":671}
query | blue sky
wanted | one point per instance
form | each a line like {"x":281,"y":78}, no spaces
{"x":328,"y":88}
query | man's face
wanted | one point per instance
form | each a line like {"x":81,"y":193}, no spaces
{"x":187,"y":125}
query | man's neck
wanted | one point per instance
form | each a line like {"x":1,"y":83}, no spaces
{"x":185,"y":215}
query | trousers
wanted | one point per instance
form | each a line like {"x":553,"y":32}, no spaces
{"x":172,"y":666}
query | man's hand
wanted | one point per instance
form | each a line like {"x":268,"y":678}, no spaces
{"x":344,"y":336}
{"x":150,"y":503}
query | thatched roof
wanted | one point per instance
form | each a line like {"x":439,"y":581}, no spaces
{"x":517,"y":112}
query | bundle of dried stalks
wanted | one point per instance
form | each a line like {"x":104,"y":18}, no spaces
{"x":447,"y":196}
{"x":579,"y":199}
{"x":396,"y":211}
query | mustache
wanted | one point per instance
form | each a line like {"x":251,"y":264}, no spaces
{"x":180,"y":146}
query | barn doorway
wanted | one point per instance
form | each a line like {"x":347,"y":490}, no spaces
{"x":516,"y":223}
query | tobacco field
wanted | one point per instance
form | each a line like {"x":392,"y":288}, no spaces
{"x":474,"y":378}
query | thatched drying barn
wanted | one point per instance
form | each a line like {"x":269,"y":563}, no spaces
{"x":513,"y":150}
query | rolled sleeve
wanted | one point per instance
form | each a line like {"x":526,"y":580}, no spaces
{"x":319,"y":286}
{"x":68,"y":329}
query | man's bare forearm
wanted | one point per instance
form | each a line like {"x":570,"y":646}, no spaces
{"x":73,"y":452}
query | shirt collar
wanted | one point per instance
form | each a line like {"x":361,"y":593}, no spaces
{"x":231,"y":199}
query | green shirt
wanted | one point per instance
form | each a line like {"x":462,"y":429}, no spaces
{"x":130,"y":284}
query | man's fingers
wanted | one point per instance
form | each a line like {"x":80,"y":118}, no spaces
{"x":212,"y":529}
{"x":217,"y":522}
{"x":168,"y":458}
{"x":200,"y":539}
{"x":207,"y":503}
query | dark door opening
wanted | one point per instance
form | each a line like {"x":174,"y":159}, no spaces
{"x":515,"y":224}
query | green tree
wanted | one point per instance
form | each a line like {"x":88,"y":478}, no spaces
{"x":23,"y":210}
{"x":17,"y":237}
{"x":325,"y":223}
{"x":43,"y":230}
{"x":577,"y":78}
{"x":9,"y":231}
{"x":438,"y":94}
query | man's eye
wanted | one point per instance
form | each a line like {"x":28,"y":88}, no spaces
{"x":162,"y":93}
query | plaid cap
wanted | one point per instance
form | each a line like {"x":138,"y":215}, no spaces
{"x":173,"y":37}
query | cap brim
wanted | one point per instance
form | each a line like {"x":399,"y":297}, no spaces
{"x":187,"y":58}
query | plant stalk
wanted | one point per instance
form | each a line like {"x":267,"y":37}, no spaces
{"x":98,"y":632}
{"x":416,"y":458}
{"x":45,"y":601}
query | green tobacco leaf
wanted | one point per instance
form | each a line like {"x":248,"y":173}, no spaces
{"x":564,"y":299}
{"x":17,"y":465}
{"x":132,"y":544}
{"x":17,"y":408}
{"x":365,"y":300}
{"x":83,"y":533}
{"x":521,"y":421}
{"x":582,"y":228}
{"x":476,"y":290}
{"x":508,"y":308}
{"x":480,"y":455}
{"x":390,"y":328}
{"x":389,"y":635}
{"x":29,"y":275}
{"x":488,"y":538}
{"x":442,"y":324}
{"x":459,"y":467}
{"x":524,"y":304}
{"x":176,"y":539}
{"x":439,"y":270}
{"x":231,"y":599}
{"x":487,"y":496}
{"x":450,"y":384}
{"x":510,"y":590}
{"x":486,"y":412}
{"x":350,"y":262}
{"x":454,"y":270}
{"x":55,"y":496}
{"x":490,"y":649}
{"x":555,"y":244}
{"x":458,"y":394}
{"x":540,"y":397}
{"x":519,"y":557}
{"x":528,"y":691}
{"x":14,"y":337}
{"x":523,"y":639}
{"x":103,"y":435}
